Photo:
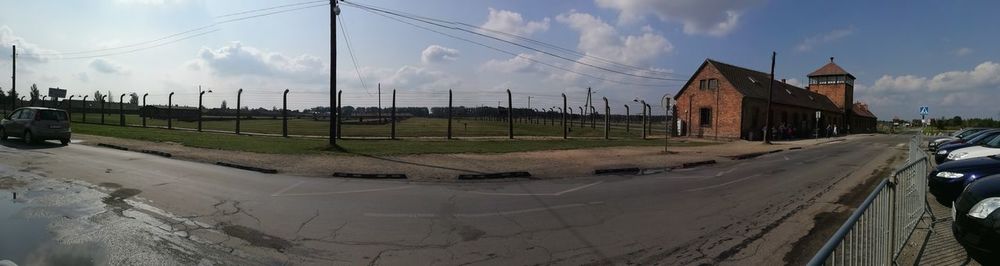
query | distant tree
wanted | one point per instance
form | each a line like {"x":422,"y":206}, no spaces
{"x":97,"y":96}
{"x":133,"y":98}
{"x":956,"y":121}
{"x":223,"y":105}
{"x":35,"y":94}
{"x":2,"y":95}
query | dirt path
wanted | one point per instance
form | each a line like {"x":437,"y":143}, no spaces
{"x":444,"y":167}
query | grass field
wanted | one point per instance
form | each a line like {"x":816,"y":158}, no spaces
{"x":280,"y":145}
{"x":413,"y":127}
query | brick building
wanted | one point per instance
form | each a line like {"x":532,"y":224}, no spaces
{"x":726,"y":101}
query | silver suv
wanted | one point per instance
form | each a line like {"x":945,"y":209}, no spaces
{"x":35,"y":124}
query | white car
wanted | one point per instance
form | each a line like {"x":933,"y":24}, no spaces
{"x":989,"y":149}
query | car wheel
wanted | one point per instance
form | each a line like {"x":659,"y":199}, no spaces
{"x":28,"y":137}
{"x":64,"y":142}
{"x":3,"y":134}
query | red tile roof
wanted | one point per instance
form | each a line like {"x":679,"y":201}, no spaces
{"x":830,"y":69}
{"x":861,"y":109}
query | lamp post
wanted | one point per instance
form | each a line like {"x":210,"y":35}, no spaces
{"x":144,"y":109}
{"x":201,"y":93}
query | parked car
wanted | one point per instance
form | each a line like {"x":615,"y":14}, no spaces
{"x":980,"y":138}
{"x":933,"y":143}
{"x":988,"y":149}
{"x":977,"y":222}
{"x":948,"y":180}
{"x":35,"y":124}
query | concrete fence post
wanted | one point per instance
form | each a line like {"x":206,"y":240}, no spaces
{"x":644,"y":119}
{"x":200,"y":109}
{"x":143,"y":108}
{"x":85,"y":108}
{"x":102,"y":107}
{"x":510,"y":116}
{"x":121,"y":110}
{"x":392,"y":132}
{"x":340,"y":114}
{"x":649,"y":123}
{"x":583,"y":121}
{"x":627,"y":126}
{"x":607,"y":117}
{"x":449,"y":113}
{"x":239,"y":94}
{"x":565,"y":130}
{"x":284,"y":113}
{"x":170,"y":111}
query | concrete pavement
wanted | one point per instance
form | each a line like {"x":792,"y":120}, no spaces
{"x":685,"y":217}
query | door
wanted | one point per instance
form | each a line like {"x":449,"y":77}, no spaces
{"x":10,"y":123}
{"x":23,"y":120}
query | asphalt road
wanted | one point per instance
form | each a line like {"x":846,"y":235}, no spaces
{"x":685,"y":217}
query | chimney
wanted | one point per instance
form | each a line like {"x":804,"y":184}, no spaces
{"x":783,"y":81}
{"x":831,"y":59}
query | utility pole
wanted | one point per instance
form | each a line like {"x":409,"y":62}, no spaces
{"x":13,"y":77}
{"x":334,"y":12}
{"x":380,"y":102}
{"x":767,"y":118}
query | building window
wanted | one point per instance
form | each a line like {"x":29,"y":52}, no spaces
{"x":701,"y":85}
{"x":713,"y":84}
{"x":705,"y":117}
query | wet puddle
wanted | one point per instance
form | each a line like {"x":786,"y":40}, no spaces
{"x":25,"y":238}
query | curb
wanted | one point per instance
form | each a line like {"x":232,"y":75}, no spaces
{"x":693,"y":164}
{"x":370,"y":176}
{"x":775,"y":151}
{"x":249,"y":168}
{"x":795,"y":148}
{"x":493,"y":175}
{"x":632,"y":170}
{"x":160,"y":153}
{"x":112,"y":146}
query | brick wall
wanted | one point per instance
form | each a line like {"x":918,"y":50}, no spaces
{"x":803,"y":120}
{"x":725,"y":104}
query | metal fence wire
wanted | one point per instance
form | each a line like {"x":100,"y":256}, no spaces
{"x":877,"y":231}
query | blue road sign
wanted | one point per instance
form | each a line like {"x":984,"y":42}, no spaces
{"x":924,"y":110}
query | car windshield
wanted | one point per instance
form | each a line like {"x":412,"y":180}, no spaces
{"x":969,"y":132}
{"x":983,"y":138}
{"x":994,"y":143}
{"x":52,"y":115}
{"x":973,"y":135}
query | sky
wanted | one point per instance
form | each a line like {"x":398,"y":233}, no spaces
{"x":904,"y":55}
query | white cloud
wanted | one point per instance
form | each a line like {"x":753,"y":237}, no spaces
{"x":107,"y":66}
{"x":710,"y":17}
{"x":25,"y":50}
{"x":518,"y":64}
{"x":411,"y":78}
{"x":437,"y":54}
{"x":82,"y":76}
{"x":813,"y":41}
{"x":985,"y":75}
{"x":601,"y":39}
{"x":513,"y":23}
{"x":906,"y":83}
{"x":794,"y":82}
{"x":963,"y":51}
{"x":236,"y":60}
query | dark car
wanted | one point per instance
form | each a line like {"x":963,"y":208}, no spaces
{"x":974,"y":140}
{"x":948,"y":179}
{"x":934,"y":143}
{"x":977,"y":221}
{"x":35,"y":124}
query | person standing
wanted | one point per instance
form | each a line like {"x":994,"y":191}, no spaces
{"x":829,"y":130}
{"x":835,"y":130}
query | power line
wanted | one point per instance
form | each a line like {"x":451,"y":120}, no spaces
{"x":509,"y":42}
{"x":508,"y":52}
{"x":270,"y":8}
{"x":347,"y":39}
{"x":519,"y":37}
{"x":186,"y":32}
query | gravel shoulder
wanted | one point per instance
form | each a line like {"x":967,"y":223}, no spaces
{"x":446,"y":167}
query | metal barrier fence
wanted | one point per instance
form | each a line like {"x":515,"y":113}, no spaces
{"x":877,"y":231}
